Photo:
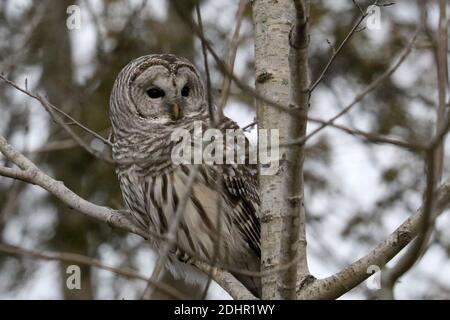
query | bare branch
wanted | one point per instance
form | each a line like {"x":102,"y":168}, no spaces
{"x":226,"y":71}
{"x":338,"y":284}
{"x":32,"y":174}
{"x":364,"y":14}
{"x":116,"y":218}
{"x":84,"y":260}
{"x":371,"y":137}
{"x":368,"y":136}
{"x":372,"y":86}
{"x":442,"y":80}
{"x":52,"y":110}
{"x":54,"y":146}
{"x":212,"y":114}
{"x":227,"y":281}
{"x":425,"y":225}
{"x":434,"y":162}
{"x":226,"y":83}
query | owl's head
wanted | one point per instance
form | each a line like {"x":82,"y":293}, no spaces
{"x":158,"y":89}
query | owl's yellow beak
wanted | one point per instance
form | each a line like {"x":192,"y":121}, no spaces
{"x":176,"y":111}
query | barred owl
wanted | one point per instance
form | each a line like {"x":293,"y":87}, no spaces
{"x":152,"y":96}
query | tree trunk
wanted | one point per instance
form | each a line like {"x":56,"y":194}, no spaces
{"x":282,"y":76}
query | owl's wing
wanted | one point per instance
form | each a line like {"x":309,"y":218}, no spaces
{"x":240,"y":181}
{"x":242,"y":188}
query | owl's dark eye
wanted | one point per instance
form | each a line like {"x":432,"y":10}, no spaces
{"x":185,"y":91}
{"x":155,"y":93}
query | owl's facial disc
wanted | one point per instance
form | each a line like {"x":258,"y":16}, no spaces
{"x":163,"y":95}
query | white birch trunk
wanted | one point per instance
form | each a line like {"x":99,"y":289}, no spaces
{"x":282,"y":212}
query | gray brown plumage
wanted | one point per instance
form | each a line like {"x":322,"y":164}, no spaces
{"x":152,"y":96}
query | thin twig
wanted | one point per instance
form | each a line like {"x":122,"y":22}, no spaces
{"x":442,"y":80}
{"x":225,"y":70}
{"x":214,"y":117}
{"x":336,"y":52}
{"x":368,"y":136}
{"x":372,"y":137}
{"x":372,"y":86}
{"x":52,"y":110}
{"x":231,"y":56}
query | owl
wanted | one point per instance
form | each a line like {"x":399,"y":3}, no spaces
{"x":153,"y":96}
